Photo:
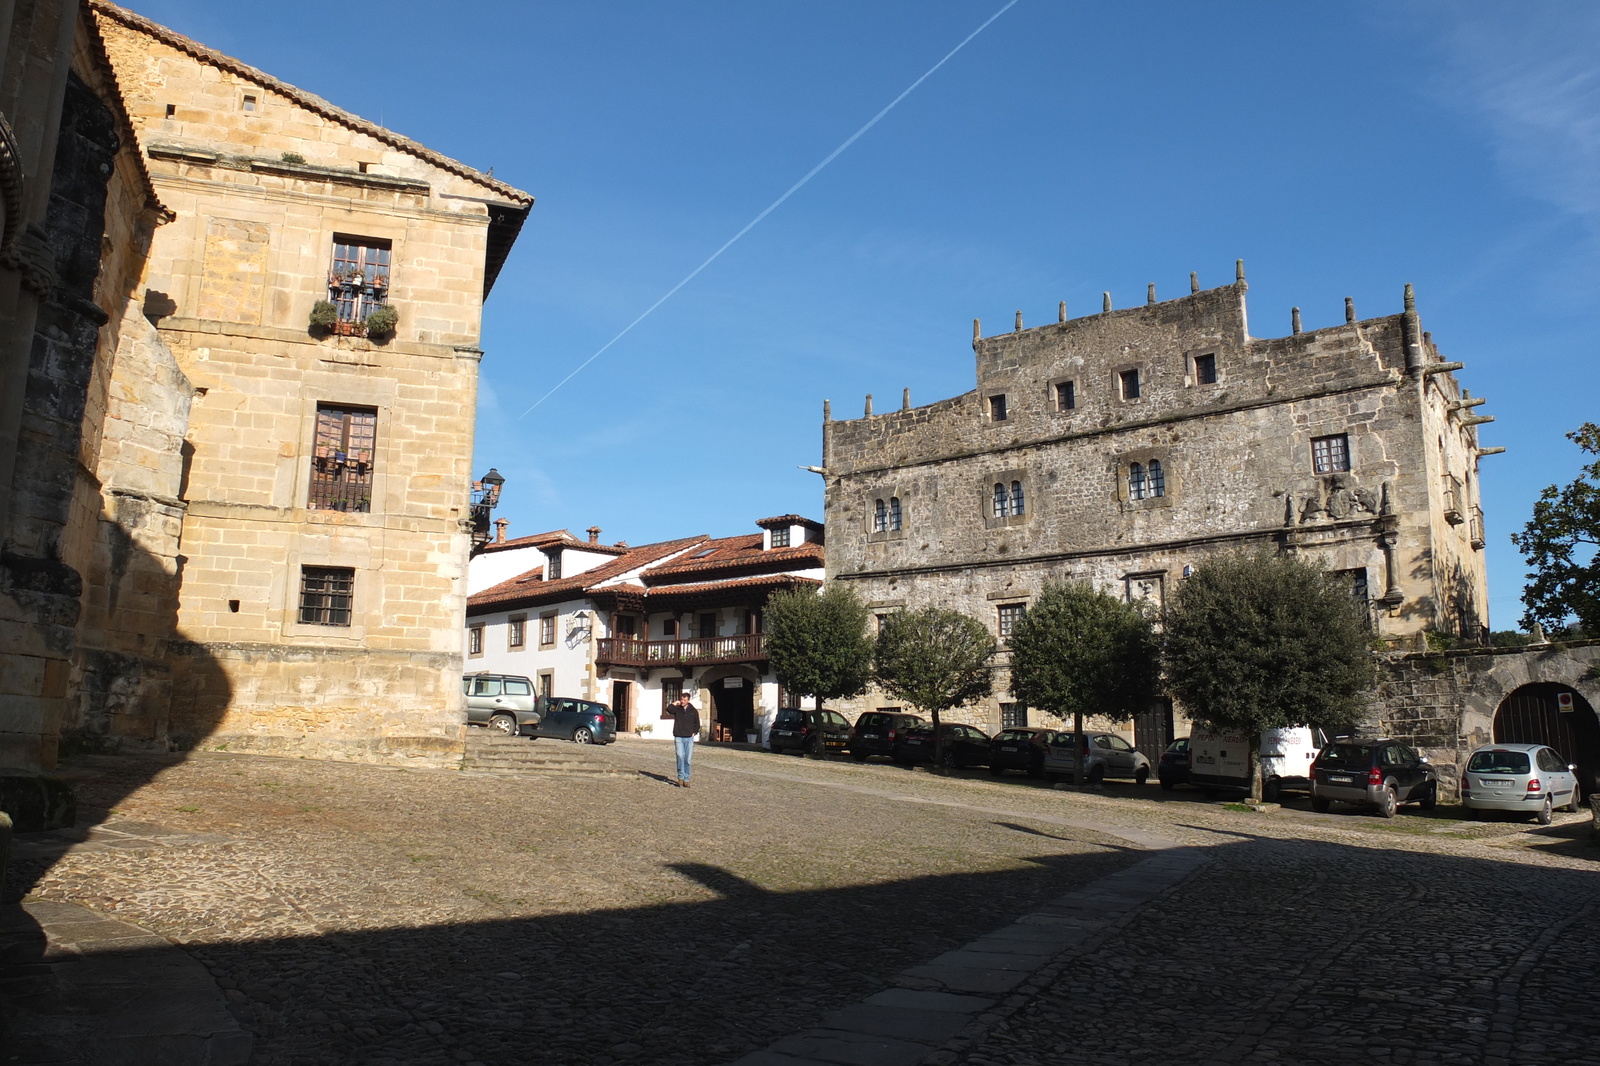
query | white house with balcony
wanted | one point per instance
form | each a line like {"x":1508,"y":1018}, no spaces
{"x":633,"y":626}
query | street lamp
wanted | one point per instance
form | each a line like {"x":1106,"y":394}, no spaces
{"x":485,"y":495}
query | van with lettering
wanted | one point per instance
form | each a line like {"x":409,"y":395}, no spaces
{"x":1219,"y":760}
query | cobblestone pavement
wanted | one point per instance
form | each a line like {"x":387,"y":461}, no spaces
{"x":365,"y":914}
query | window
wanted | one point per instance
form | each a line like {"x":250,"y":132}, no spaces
{"x":669,"y":629}
{"x":517,"y":626}
{"x":249,"y":102}
{"x":358,"y":281}
{"x":670,"y":688}
{"x":1130,"y":384}
{"x":626,"y":625}
{"x":1156,"y":479}
{"x":894,"y":514}
{"x":516,"y":686}
{"x":342,"y":458}
{"x":326,"y":594}
{"x":547,"y":683}
{"x":1009,"y":613}
{"x":997,"y":408}
{"x":1013,"y":716}
{"x":1205,"y":369}
{"x":1001,"y":501}
{"x":475,"y":640}
{"x":547,"y":630}
{"x":486,"y":686}
{"x":1009,"y":503}
{"x":780,"y":537}
{"x":552,"y":565}
{"x":706,"y":625}
{"x":1016,"y":499}
{"x":1330,"y":455}
{"x":1136,"y":482}
{"x":1066,"y":396}
{"x":880,"y":517}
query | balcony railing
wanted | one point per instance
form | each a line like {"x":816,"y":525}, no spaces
{"x":1454,"y":513}
{"x":689,"y":651}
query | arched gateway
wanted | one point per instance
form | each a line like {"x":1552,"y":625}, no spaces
{"x":1557,"y":715}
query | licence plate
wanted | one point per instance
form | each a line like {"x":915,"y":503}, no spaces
{"x":786,"y":732}
{"x":1335,"y":779}
{"x":1008,"y":747}
{"x":869,"y":736}
{"x":1494,"y":784}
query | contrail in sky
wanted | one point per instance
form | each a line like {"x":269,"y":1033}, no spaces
{"x":772,"y":206}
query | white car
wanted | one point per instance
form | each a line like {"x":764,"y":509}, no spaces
{"x":1525,"y":778}
{"x":1108,"y":755}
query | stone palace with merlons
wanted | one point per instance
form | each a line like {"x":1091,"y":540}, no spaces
{"x":1125,"y":447}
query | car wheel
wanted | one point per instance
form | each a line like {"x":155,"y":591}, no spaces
{"x":1320,"y":804}
{"x":1543,"y":817}
{"x":504,"y":723}
{"x":859,"y":756}
{"x":1036,"y":771}
{"x":948,"y":760}
{"x":1430,"y":796}
{"x":1167,"y":784}
{"x":996,"y":771}
{"x":1388,"y":803}
{"x":1141,"y":775}
{"x":1577,"y":803}
{"x":1097,"y":775}
{"x":581,"y":735}
{"x":1272,"y":790}
{"x":818,"y":749}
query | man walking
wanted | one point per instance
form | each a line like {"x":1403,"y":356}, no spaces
{"x":685,"y":730}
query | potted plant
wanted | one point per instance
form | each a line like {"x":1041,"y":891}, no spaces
{"x":324,"y":316}
{"x":382,"y":321}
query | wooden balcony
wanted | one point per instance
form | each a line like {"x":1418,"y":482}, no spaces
{"x":689,"y":651}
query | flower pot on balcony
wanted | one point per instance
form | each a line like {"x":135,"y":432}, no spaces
{"x":382,"y":321}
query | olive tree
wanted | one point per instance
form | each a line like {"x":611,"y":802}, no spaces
{"x":1078,"y":651}
{"x":935,"y":660}
{"x":1258,"y":640}
{"x":818,"y":643}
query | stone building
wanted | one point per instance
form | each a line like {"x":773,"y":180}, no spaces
{"x":266,"y":523}
{"x":633,"y":627}
{"x":1125,"y":447}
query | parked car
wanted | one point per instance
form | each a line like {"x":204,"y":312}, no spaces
{"x":1105,"y":755}
{"x":809,"y":732}
{"x":963,"y":745}
{"x":580,"y":721}
{"x":1019,"y":748}
{"x":876,"y":731}
{"x":1172,"y":769}
{"x":1525,"y":778}
{"x":1374,"y":772}
{"x":1221,"y":760}
{"x":503,"y":702}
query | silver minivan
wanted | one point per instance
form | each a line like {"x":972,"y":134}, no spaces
{"x":1525,"y":778}
{"x":503,"y":702}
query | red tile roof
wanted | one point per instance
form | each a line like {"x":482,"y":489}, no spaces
{"x":527,"y":590}
{"x":554,"y":537}
{"x":787,"y":520}
{"x":735,"y":556}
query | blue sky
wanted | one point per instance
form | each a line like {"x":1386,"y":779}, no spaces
{"x":1339,"y":149}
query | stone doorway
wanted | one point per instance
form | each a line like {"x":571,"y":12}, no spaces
{"x":1557,"y":715}
{"x":735,"y":709}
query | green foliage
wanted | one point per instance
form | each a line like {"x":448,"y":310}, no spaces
{"x":818,"y":644}
{"x":1256,"y":641}
{"x":934,"y":659}
{"x":1509,"y":638}
{"x":1560,"y":546}
{"x":293,"y":157}
{"x":382,"y":321}
{"x":1078,"y":651}
{"x":324,"y":315}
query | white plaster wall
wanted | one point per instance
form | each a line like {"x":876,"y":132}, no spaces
{"x":488,"y":569}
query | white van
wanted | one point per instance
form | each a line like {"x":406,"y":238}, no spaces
{"x":1221,"y":760}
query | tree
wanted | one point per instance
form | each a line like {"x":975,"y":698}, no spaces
{"x":935,"y":660}
{"x":1077,"y":651}
{"x":1257,"y":640}
{"x":818,"y":644}
{"x":1560,"y":545}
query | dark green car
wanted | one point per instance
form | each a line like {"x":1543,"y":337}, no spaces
{"x":580,"y":721}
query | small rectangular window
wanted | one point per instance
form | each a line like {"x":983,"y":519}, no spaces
{"x":1130,"y":384}
{"x":172,"y":109}
{"x":342,"y":457}
{"x":547,"y":683}
{"x":1013,"y":715}
{"x":517,"y":626}
{"x":547,"y":630}
{"x":780,"y":537}
{"x":997,"y":408}
{"x":326,"y":595}
{"x":1066,"y":396}
{"x":552,"y":565}
{"x":249,"y":102}
{"x":1009,"y":614}
{"x":475,"y":640}
{"x":515,"y":686}
{"x":1330,"y":455}
{"x":1205,"y":369}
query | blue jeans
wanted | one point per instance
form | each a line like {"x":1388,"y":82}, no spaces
{"x":685,"y":755}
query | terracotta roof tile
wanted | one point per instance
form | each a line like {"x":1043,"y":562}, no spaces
{"x":527,"y":589}
{"x":788,"y":520}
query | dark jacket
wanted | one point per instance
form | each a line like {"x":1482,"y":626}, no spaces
{"x":685,"y":720}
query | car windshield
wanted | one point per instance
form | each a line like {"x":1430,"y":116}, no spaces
{"x":1498,"y":762}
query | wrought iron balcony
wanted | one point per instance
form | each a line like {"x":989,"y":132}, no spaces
{"x":687,"y":651}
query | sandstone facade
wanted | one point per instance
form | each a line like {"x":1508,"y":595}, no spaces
{"x":1125,"y":447}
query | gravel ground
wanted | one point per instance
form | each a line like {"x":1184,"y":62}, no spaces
{"x":365,"y":914}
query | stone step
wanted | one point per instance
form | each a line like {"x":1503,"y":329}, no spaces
{"x":491,"y":752}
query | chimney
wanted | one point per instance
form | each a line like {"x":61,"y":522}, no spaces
{"x":594,"y":534}
{"x":500,"y":525}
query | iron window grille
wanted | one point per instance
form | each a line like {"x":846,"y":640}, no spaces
{"x":1066,"y":396}
{"x":342,"y":459}
{"x":1017,"y":507}
{"x":1001,"y":501}
{"x":880,"y":517}
{"x":1156,"y":479}
{"x":326,"y":595}
{"x":1013,"y":715}
{"x":894,"y":514}
{"x":1136,"y":482}
{"x":358,"y":281}
{"x":1330,"y":455}
{"x":1009,"y":613}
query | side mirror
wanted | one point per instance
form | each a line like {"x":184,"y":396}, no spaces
{"x":1572,"y":766}
{"x":1423,"y":759}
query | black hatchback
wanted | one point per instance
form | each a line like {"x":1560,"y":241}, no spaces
{"x":963,"y":745}
{"x":809,"y":732}
{"x":875,"y":733}
{"x":1019,"y":748}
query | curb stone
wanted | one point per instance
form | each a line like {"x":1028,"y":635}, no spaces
{"x":940,"y":1010}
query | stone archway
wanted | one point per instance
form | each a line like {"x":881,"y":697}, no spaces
{"x":1557,"y":715}
{"x":733,"y":693}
